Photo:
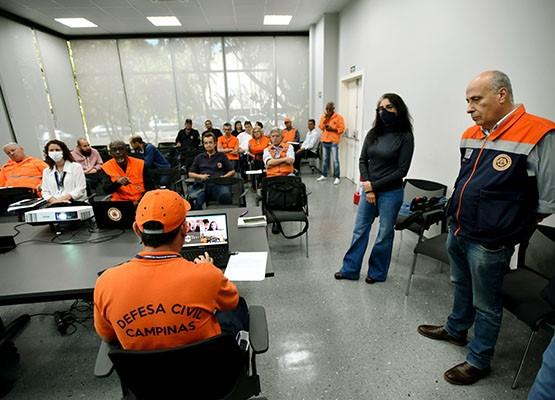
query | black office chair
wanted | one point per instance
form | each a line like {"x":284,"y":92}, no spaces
{"x":235,"y":187}
{"x":215,"y":368}
{"x":284,"y":199}
{"x":168,"y":178}
{"x":522,"y":287}
{"x":103,"y":151}
{"x":419,"y":222}
{"x":312,"y":158}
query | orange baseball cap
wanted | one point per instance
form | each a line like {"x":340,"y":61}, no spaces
{"x":164,"y":206}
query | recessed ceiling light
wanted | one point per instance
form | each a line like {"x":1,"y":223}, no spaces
{"x":164,"y":21}
{"x":76,"y":22}
{"x":277,"y":19}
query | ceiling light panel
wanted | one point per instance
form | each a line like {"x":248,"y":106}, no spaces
{"x":164,"y":21}
{"x":277,"y":19}
{"x":76,"y":22}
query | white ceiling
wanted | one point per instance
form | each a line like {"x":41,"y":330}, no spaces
{"x":128,"y":16}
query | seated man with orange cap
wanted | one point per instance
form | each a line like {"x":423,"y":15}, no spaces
{"x":126,"y":178}
{"x":158,"y":299}
{"x":278,"y":156}
{"x":290,"y":134}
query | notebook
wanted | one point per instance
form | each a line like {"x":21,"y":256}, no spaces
{"x":114,"y":214}
{"x":207,"y":233}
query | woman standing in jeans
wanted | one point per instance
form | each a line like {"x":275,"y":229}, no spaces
{"x":384,"y":162}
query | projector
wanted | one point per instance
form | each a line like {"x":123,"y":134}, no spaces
{"x":58,"y":214}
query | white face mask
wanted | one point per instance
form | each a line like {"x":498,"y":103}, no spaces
{"x":55,"y":155}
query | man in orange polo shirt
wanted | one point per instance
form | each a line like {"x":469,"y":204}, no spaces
{"x":158,"y":299}
{"x":229,"y":145}
{"x":21,"y":170}
{"x":332,"y":126}
{"x":126,"y":178}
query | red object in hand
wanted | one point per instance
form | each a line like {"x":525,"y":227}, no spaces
{"x":356,"y":198}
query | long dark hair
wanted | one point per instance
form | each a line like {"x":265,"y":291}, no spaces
{"x":65,"y":152}
{"x":403,"y":122}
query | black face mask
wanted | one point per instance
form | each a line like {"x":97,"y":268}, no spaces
{"x":387,"y":117}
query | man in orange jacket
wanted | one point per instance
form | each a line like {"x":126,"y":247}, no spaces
{"x":278,"y":156}
{"x":332,"y":126}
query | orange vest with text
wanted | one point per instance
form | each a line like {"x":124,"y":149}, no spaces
{"x":280,"y":169}
{"x":134,"y":171}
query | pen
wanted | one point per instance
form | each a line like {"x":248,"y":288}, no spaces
{"x":244,"y":213}
{"x":233,"y":253}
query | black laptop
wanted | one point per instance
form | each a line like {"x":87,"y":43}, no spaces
{"x":207,"y":233}
{"x":114,"y":214}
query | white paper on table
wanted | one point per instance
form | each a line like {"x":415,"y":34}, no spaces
{"x":247,"y":266}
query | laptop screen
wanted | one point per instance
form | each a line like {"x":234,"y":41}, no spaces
{"x":206,"y":230}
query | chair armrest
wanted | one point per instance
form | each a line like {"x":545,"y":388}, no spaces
{"x":433,"y":216}
{"x":103,"y":366}
{"x":258,"y":330}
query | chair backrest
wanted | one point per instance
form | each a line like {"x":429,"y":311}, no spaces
{"x":236,"y":189}
{"x":103,"y":151}
{"x":420,"y":187}
{"x":165,"y":145}
{"x":284,"y":193}
{"x":539,"y":254}
{"x":164,"y":177}
{"x":207,"y":370}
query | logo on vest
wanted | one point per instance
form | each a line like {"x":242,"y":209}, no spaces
{"x":502,"y":162}
{"x":114,"y":214}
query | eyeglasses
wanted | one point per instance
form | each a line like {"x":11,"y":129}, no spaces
{"x":388,"y":107}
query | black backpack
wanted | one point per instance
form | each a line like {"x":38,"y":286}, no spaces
{"x":284,"y":193}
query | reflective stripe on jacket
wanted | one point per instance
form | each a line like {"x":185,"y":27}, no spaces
{"x":494,"y":200}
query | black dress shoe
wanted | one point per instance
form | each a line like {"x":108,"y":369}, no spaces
{"x":370,"y":281}
{"x":465,"y":374}
{"x":339,"y":276}
{"x":437,"y":332}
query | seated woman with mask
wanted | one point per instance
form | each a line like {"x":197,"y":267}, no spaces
{"x":63,"y":182}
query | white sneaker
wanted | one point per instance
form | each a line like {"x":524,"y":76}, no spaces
{"x":336,"y":181}
{"x":322,"y":178}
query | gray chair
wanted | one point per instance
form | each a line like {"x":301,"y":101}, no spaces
{"x":522,"y":287}
{"x":215,"y":368}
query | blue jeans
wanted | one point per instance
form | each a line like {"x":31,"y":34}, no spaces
{"x":477,"y":274}
{"x":544,"y":385}
{"x":199,"y":194}
{"x":328,"y":148}
{"x":387,"y":207}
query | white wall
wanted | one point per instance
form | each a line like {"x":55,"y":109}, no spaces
{"x":428,"y":50}
{"x":323,"y":67}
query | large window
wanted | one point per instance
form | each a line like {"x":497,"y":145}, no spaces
{"x":150,"y":86}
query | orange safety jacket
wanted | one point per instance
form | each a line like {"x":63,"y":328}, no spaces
{"x":494,"y":201}
{"x":256,"y":148}
{"x":289,"y":135}
{"x":335,"y":121}
{"x":282,"y":169}
{"x":134,"y":171}
{"x":26,"y":173}
{"x":229,"y":143}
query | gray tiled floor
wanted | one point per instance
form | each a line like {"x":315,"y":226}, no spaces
{"x":328,"y":339}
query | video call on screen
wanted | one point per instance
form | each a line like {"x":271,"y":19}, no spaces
{"x":208,"y":230}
